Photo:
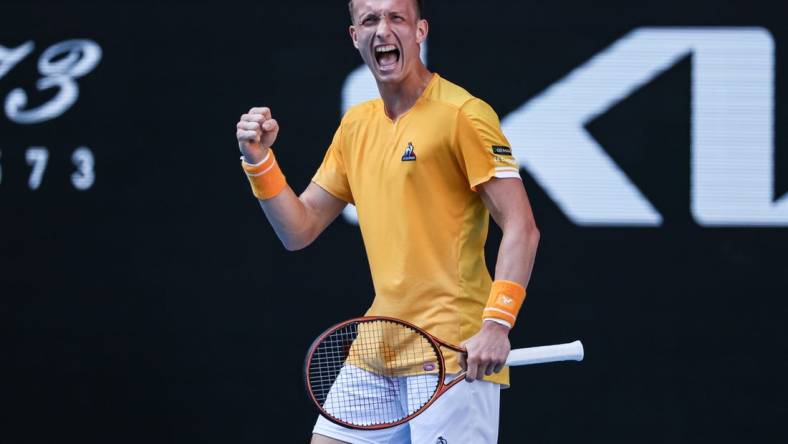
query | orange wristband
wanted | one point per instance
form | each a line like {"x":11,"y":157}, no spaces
{"x":266,"y":177}
{"x":506,"y":299}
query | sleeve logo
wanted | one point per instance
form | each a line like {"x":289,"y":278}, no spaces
{"x":502,"y":150}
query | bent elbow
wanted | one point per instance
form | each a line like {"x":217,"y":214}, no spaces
{"x":291,"y":246}
{"x":532,"y":236}
{"x":535,"y":235}
{"x":295,"y":244}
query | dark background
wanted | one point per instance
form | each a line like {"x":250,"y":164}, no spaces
{"x":159,"y":307}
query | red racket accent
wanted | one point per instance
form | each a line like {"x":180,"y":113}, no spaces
{"x":375,"y":372}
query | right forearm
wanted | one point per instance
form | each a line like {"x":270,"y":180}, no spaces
{"x":290,"y":219}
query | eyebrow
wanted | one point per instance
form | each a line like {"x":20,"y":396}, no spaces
{"x":377,"y":15}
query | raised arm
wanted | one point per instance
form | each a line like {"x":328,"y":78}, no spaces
{"x":297,"y":220}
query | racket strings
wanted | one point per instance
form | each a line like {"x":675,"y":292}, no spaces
{"x":373,"y":373}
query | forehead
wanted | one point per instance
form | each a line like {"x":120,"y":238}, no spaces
{"x":380,"y":6}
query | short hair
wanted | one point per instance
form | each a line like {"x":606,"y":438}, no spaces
{"x":419,"y":8}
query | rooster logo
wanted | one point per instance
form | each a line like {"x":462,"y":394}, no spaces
{"x":409,"y":155}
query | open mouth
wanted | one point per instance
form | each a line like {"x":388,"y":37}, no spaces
{"x":387,"y":56}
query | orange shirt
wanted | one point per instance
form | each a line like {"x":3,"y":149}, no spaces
{"x":424,"y":227}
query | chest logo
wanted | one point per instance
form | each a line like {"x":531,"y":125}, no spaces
{"x":409,"y":154}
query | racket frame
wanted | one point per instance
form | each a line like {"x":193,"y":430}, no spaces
{"x":435,"y":342}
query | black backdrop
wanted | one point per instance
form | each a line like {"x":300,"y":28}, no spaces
{"x":158,"y":306}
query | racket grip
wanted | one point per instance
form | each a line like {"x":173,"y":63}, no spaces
{"x":572,"y":351}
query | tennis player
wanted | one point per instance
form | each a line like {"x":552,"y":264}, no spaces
{"x":425,"y":165}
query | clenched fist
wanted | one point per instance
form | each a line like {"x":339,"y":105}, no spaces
{"x":256,"y":132}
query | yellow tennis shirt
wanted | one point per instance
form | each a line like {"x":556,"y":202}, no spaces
{"x":424,"y":227}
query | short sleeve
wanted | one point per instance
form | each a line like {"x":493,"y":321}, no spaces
{"x":332,"y":174}
{"x":481,"y":147}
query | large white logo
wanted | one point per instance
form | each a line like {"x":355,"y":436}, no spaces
{"x":732,"y":149}
{"x":59,"y":66}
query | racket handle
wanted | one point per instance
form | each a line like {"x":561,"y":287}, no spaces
{"x":572,"y":351}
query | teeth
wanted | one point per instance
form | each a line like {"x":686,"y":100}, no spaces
{"x":386,"y":48}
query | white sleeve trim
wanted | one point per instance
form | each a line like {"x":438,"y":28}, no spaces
{"x":507,"y":175}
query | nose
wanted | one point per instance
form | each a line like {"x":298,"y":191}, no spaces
{"x":384,"y":29}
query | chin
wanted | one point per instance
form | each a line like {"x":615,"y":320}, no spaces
{"x":388,"y":77}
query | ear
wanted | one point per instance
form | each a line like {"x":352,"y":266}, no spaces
{"x":353,"y":36}
{"x":422,"y":29}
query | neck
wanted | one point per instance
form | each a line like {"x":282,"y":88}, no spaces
{"x":400,"y":97}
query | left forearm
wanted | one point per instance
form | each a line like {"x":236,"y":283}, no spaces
{"x":517,"y":253}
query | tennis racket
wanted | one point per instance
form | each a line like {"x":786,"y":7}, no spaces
{"x":375,"y":372}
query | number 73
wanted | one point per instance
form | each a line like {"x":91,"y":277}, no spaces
{"x":38,"y":157}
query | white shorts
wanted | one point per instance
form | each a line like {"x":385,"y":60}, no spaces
{"x":466,"y":413}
